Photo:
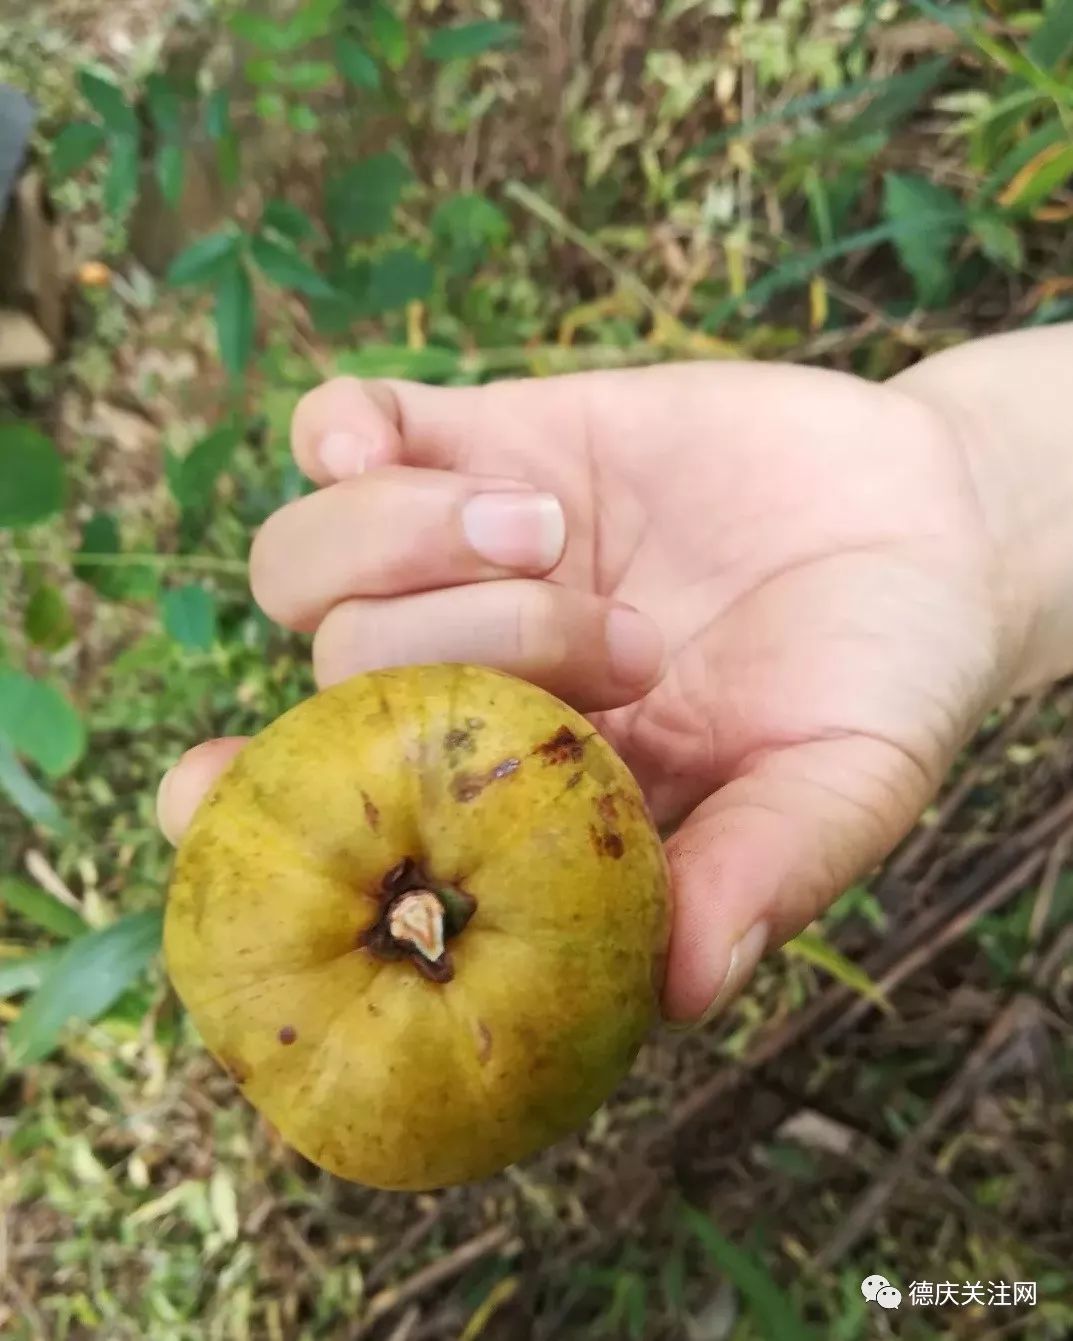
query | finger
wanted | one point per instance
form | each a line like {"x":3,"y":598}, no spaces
{"x":397,"y":531}
{"x":348,"y":426}
{"x":589,"y":651}
{"x":757,"y":862}
{"x":184,"y":785}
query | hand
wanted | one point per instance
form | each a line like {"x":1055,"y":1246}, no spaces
{"x":821,"y":614}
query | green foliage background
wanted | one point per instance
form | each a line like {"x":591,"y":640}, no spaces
{"x":453,"y":193}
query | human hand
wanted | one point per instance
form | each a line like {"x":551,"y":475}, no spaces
{"x":824,"y":612}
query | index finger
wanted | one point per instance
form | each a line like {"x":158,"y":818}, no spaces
{"x":347,"y":426}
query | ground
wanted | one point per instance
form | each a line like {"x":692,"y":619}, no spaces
{"x":748,"y":1175}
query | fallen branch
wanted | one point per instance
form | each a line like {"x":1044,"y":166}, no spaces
{"x":1005,"y":1026}
{"x":498,"y":1239}
{"x":983,"y":891}
{"x":864,"y":1211}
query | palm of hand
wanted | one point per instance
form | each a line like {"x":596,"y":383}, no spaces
{"x":813,"y":549}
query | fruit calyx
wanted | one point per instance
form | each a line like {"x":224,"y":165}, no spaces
{"x":418,"y":916}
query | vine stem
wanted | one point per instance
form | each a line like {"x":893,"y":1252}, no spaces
{"x":204,"y":563}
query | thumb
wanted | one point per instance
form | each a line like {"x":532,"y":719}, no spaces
{"x":184,"y":786}
{"x":754,"y":864}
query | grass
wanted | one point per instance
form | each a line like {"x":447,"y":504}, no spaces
{"x":692,"y":180}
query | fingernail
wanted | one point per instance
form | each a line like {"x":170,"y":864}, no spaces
{"x":343,"y":455}
{"x":744,"y":958}
{"x":634,"y":644}
{"x":516,"y":530}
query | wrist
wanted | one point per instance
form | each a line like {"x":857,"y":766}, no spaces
{"x":1006,"y":400}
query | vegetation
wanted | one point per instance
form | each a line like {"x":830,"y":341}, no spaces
{"x":259,"y":195}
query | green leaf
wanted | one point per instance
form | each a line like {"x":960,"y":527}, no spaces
{"x":119,"y":581}
{"x":900,"y":96}
{"x":302,"y":118}
{"x":937,"y":218}
{"x":805,"y":105}
{"x":40,"y":723}
{"x":1029,"y":147}
{"x":189,"y":615}
{"x":121,"y":183}
{"x":32,"y":486}
{"x":462,"y":41}
{"x":25,"y":794}
{"x":361,"y":201}
{"x":205,"y":259}
{"x":74,"y":146}
{"x":259,"y":30}
{"x":286,"y":267}
{"x":418,"y":365}
{"x":399,"y":277}
{"x":312,"y":20}
{"x":466,"y":227}
{"x":307,"y":76}
{"x":88,"y":977}
{"x":107,"y":100}
{"x":389,"y":36}
{"x":999,"y":240}
{"x":171,"y":172}
{"x":48,"y":621}
{"x":287,"y":220}
{"x":26,"y":973}
{"x":192,"y":477}
{"x":772,"y":1311}
{"x":271,"y":106}
{"x":218,"y":114}
{"x":1053,"y":171}
{"x":265,"y":71}
{"x":814,"y":949}
{"x":41,"y":909}
{"x":1052,"y":41}
{"x":355,"y":64}
{"x":235,"y":316}
{"x":165,"y":106}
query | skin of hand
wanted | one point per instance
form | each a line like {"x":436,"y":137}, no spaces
{"x":785,"y":595}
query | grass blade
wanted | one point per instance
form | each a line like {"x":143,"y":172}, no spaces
{"x":40,"y":908}
{"x":772,"y":1311}
{"x":90,"y":974}
{"x":815,"y":949}
{"x":892,"y":97}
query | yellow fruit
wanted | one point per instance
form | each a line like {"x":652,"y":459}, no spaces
{"x":421,"y":919}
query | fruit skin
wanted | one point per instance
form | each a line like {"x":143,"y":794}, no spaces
{"x":367,"y":1067}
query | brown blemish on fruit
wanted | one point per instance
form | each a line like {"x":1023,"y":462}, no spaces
{"x":468,"y":786}
{"x":372,"y":814}
{"x":575,"y":778}
{"x":563,"y":748}
{"x":287,"y":1034}
{"x":608,"y":843}
{"x":484,"y":1041}
{"x":460,"y":738}
{"x":606,"y":809}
